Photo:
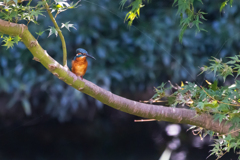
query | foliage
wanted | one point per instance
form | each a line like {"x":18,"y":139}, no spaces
{"x":9,"y":40}
{"x":154,"y":55}
{"x":15,"y":11}
{"x":135,"y":10}
{"x":221,"y":102}
{"x":224,"y":4}
{"x":189,"y":17}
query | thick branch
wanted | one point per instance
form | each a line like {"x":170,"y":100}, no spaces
{"x":175,"y":115}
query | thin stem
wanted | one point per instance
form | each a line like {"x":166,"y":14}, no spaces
{"x":230,"y":132}
{"x":145,"y":120}
{"x":237,"y":105}
{"x":64,"y":48}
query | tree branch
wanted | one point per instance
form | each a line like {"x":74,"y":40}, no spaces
{"x":158,"y":112}
{"x":64,"y":48}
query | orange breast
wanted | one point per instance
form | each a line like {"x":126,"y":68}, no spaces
{"x":79,"y":66}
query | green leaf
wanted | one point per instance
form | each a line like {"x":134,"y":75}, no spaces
{"x":223,"y":108}
{"x":122,"y":3}
{"x":223,"y":5}
{"x":171,"y":100}
{"x":200,"y":105}
{"x":39,"y":33}
{"x":134,"y":12}
{"x":36,"y":13}
{"x":214,"y":86}
{"x":16,"y":39}
{"x":174,"y":2}
{"x":226,"y":71}
{"x":219,"y":117}
{"x":216,"y":66}
{"x":182,"y":32}
{"x":41,"y":3}
{"x":67,"y":25}
{"x":155,"y":96}
{"x":8,"y":42}
{"x":162,"y":85}
{"x":235,"y":121}
{"x":238,"y":70}
{"x":74,"y":5}
{"x":213,"y":104}
{"x":231,"y":1}
{"x":234,"y":60}
{"x":52,"y":30}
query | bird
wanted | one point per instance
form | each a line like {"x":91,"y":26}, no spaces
{"x":79,"y":63}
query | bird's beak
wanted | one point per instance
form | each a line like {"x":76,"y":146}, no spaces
{"x":90,"y":56}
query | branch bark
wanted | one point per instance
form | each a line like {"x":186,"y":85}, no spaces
{"x":158,"y":112}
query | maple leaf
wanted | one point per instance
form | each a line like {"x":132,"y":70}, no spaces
{"x":8,"y":42}
{"x":52,"y":30}
{"x":67,"y":25}
{"x":35,"y":13}
{"x":238,"y":69}
{"x":16,"y":39}
{"x":39,"y":33}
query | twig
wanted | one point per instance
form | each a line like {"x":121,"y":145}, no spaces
{"x":153,"y":101}
{"x":221,"y":156}
{"x":145,"y":120}
{"x":220,"y":101}
{"x":229,"y":132}
{"x":64,"y":48}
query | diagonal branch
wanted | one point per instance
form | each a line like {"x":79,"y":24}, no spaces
{"x":158,"y":112}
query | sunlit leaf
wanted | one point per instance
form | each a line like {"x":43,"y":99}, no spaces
{"x":223,"y":5}
{"x":67,"y":25}
{"x":16,"y":39}
{"x":8,"y":42}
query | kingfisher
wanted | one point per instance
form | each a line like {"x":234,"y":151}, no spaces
{"x":79,"y":63}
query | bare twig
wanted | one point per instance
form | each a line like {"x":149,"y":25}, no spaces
{"x":64,"y":48}
{"x":145,"y":120}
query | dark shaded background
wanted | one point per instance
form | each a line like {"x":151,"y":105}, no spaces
{"x":42,"y":118}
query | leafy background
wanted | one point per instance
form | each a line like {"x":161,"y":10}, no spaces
{"x":42,"y":117}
